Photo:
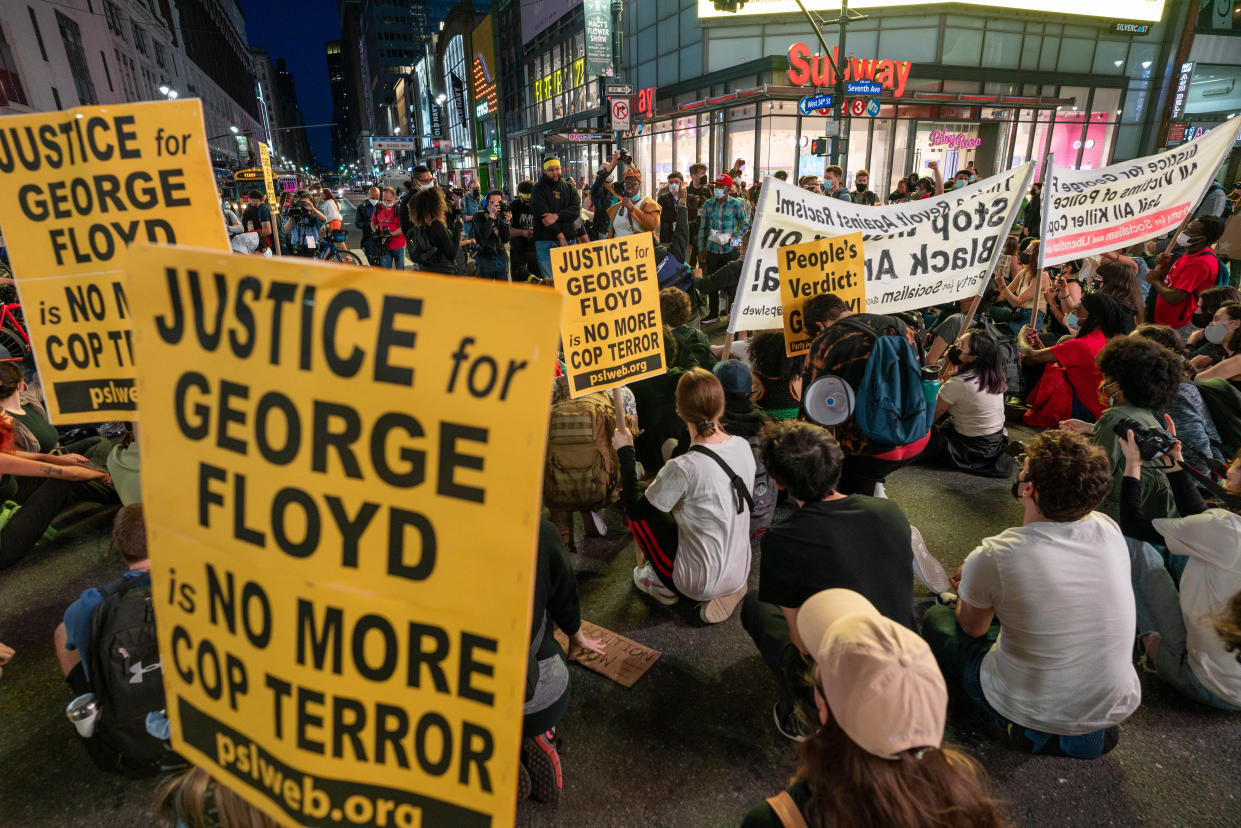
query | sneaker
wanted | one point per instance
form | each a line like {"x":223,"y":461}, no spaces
{"x":719,"y":609}
{"x":542,"y":763}
{"x":645,"y":579}
{"x":880,"y":491}
{"x":594,"y":523}
{"x":710,"y":320}
{"x":523,"y":782}
{"x":927,"y":569}
{"x":790,"y":724}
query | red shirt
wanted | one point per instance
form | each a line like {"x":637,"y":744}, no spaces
{"x":386,"y":216}
{"x":1193,"y":273}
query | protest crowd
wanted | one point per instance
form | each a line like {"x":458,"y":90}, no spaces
{"x":1124,"y":367}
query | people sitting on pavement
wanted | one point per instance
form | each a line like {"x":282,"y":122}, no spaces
{"x":1203,"y":352}
{"x":1021,"y":294}
{"x":816,"y":548}
{"x":1189,"y":601}
{"x":1140,"y":377}
{"x":969,"y":435}
{"x":948,"y":329}
{"x":1225,"y":331}
{"x":1059,"y":679}
{"x":693,"y":348}
{"x":193,"y":798}
{"x":1199,"y":437}
{"x":1178,"y":284}
{"x":125,"y":466}
{"x":779,"y":375}
{"x":879,"y":758}
{"x":693,"y":522}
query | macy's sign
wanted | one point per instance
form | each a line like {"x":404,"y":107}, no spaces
{"x":816,"y":70}
{"x":955,"y":140}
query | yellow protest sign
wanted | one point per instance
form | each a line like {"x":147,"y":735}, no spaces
{"x":834,"y":265}
{"x":77,"y":187}
{"x":343,"y":533}
{"x":611,"y":328}
{"x":265,"y":159}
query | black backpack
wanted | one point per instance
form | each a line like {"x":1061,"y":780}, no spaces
{"x":126,"y":678}
{"x":1009,"y":352}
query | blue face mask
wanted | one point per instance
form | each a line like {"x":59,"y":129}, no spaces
{"x":636,"y":198}
{"x":719,"y":192}
{"x":1071,"y":321}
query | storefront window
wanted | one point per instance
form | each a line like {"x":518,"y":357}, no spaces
{"x":686,"y":138}
{"x":859,"y":148}
{"x":1066,"y":138}
{"x":740,"y":136}
{"x":900,"y":153}
{"x":663,"y":158}
{"x":1042,"y":130}
{"x":641,"y":151}
{"x":809,"y":164}
{"x":1104,"y":113}
{"x":779,"y":146}
{"x":880,"y":145}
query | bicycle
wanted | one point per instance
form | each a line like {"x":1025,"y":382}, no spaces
{"x":328,"y":251}
{"x":14,"y":340}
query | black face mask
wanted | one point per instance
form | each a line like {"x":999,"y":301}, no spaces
{"x":1025,"y":257}
{"x":1016,"y":495}
{"x":861,"y":188}
{"x":954,"y":355}
{"x":1200,"y":319}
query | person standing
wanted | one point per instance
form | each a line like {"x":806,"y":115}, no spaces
{"x":386,"y":225}
{"x":1032,"y":217}
{"x":862,"y":193}
{"x":257,"y":218}
{"x":634,"y":213}
{"x":492,"y":233}
{"x":525,"y":265}
{"x":721,"y":220}
{"x":832,"y":185}
{"x":1193,"y":272}
{"x":698,"y":195}
{"x":556,"y":208}
{"x":668,"y":207}
{"x":362,"y":220}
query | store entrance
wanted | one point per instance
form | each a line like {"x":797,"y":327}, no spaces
{"x":953,"y":144}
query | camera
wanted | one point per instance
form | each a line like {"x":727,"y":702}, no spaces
{"x":298,"y":213}
{"x":626,"y":157}
{"x":1152,"y":442}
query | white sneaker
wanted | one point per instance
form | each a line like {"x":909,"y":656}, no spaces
{"x":645,"y":579}
{"x":927,"y":569}
{"x":595,"y":525}
{"x":880,"y":491}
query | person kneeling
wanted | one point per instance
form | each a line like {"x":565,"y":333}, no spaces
{"x":1060,"y":680}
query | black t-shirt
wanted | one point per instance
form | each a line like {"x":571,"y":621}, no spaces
{"x":252,"y":217}
{"x":523,"y":219}
{"x":857,"y":542}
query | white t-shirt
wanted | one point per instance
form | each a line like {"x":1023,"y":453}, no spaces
{"x":623,"y":225}
{"x":1063,"y":594}
{"x":329,"y":209}
{"x":713,"y":541}
{"x":974,"y":412}
{"x":1212,"y":541}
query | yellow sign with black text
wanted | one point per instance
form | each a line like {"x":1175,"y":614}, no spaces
{"x":343,"y":539}
{"x":834,"y":265}
{"x":265,"y":160}
{"x":611,"y":327}
{"x":78,"y":187}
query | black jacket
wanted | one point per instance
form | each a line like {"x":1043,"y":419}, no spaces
{"x":559,"y":197}
{"x":490,"y":245}
{"x":555,"y":596}
{"x":1033,"y":217}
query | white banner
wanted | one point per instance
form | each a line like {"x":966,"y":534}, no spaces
{"x":918,"y":254}
{"x":1087,"y":212}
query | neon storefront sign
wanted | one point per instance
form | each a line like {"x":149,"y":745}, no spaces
{"x":954,"y":140}
{"x":807,"y":69}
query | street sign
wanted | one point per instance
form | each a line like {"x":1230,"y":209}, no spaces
{"x":863,"y":87}
{"x":857,"y":106}
{"x":620,"y":114}
{"x":813,"y":103}
{"x":872,"y":107}
{"x":395,"y":142}
{"x":618,"y":90}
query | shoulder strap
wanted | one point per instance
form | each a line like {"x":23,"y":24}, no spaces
{"x":742,"y":491}
{"x":787,"y":811}
{"x":124,"y":584}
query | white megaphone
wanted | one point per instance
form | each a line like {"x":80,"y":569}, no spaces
{"x":829,"y":400}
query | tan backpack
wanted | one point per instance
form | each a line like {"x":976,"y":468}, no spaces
{"x":582,"y":470}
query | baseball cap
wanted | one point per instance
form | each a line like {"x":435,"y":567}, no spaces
{"x":879,"y":679}
{"x":725,"y":180}
{"x":734,"y":376}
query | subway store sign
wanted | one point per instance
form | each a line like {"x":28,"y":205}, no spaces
{"x":807,"y":69}
{"x":561,"y":80}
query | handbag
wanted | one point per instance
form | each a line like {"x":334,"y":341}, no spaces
{"x":740,"y":490}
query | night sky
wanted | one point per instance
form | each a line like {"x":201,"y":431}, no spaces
{"x":296,"y":31}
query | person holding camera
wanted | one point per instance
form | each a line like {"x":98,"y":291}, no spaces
{"x":386,"y":225}
{"x":301,"y":222}
{"x":491,"y":234}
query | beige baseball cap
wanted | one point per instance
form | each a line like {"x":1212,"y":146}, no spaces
{"x":880,"y":679}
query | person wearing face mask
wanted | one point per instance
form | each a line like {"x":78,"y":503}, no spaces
{"x":471,"y":203}
{"x":1032,"y":216}
{"x":633,"y":212}
{"x":1189,"y":411}
{"x":362,"y":220}
{"x":1041,"y":636}
{"x":556,"y":207}
{"x":1202,"y":353}
{"x":831,"y":183}
{"x":721,"y":220}
{"x":1225,"y":331}
{"x":524,"y":263}
{"x":1022,"y":292}
{"x":970,"y":433}
{"x":1062,"y":297}
{"x":862,"y":193}
{"x":386,"y":225}
{"x":668,"y":206}
{"x":1179,"y":284}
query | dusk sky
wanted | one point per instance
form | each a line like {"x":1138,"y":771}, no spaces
{"x":296,"y":31}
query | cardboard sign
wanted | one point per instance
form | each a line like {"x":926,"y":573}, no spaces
{"x":918,"y":254}
{"x":625,"y":660}
{"x":343,"y":535}
{"x":611,"y":328}
{"x":1088,"y":212}
{"x":822,"y":266}
{"x":1229,"y":244}
{"x":76,"y":188}
{"x":265,"y":160}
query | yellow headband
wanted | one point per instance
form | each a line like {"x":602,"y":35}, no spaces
{"x":551,"y":162}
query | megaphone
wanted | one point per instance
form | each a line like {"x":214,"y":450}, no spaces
{"x":829,"y":400}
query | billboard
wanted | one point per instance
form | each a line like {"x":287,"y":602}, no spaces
{"x":1113,"y":9}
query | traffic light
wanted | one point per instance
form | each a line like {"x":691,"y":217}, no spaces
{"x":818,"y":146}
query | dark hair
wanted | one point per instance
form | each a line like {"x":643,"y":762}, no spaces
{"x":1212,"y":299}
{"x":1118,"y":280}
{"x":1010,"y":245}
{"x":1148,"y":373}
{"x":255,"y":194}
{"x":1233,"y":343}
{"x":1071,"y":474}
{"x":677,"y":176}
{"x":1106,"y":314}
{"x":802,"y":457}
{"x":1163,"y":335}
{"x":129,"y":533}
{"x":926,"y":184}
{"x":490,"y":193}
{"x":697,"y":167}
{"x":675,"y":307}
{"x":10,"y":379}
{"x":850,"y":788}
{"x":783,"y":175}
{"x":526,"y":186}
{"x":427,"y":206}
{"x":700,"y":400}
{"x":987,"y":370}
{"x":1212,"y":228}
{"x":768,"y":356}
{"x":822,"y":309}
{"x":422,"y":168}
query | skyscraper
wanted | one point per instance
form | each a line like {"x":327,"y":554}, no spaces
{"x":344,"y":139}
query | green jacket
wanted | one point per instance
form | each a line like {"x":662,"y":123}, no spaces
{"x":1157,"y":501}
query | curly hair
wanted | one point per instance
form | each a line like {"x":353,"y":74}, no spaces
{"x":675,"y":307}
{"x":1148,"y":373}
{"x":767,"y":355}
{"x":802,"y":457}
{"x":1070,"y":474}
{"x":427,"y":206}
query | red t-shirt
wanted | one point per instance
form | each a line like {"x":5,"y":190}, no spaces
{"x":386,"y":216}
{"x":1193,"y":273}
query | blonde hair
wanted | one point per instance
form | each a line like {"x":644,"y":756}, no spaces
{"x":195,"y":798}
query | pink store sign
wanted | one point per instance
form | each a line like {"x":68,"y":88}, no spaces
{"x":954,"y":140}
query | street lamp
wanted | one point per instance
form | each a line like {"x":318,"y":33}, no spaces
{"x":163,"y":90}
{"x":172,"y":94}
{"x":233,"y":130}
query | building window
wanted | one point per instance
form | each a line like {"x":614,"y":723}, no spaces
{"x":107,"y":75}
{"x":38,"y":35}
{"x":113,"y":14}
{"x":140,"y":40}
{"x":71,"y":36}
{"x":161,"y":56}
{"x":11,"y":90}
{"x":56,"y":98}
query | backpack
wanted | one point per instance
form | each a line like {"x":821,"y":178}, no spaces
{"x":126,"y":678}
{"x":1223,"y":401}
{"x":1009,"y":353}
{"x":582,"y":470}
{"x":890,"y":405}
{"x":672,"y":273}
{"x":425,"y":254}
{"x":764,"y":493}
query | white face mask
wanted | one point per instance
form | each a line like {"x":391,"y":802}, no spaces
{"x":426,"y":186}
{"x":373,"y":201}
{"x":1184,"y":240}
{"x":1216,"y":333}
{"x":674,"y":187}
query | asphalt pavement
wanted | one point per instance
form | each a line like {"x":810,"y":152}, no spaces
{"x":691,"y":744}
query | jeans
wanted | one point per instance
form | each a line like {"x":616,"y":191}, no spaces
{"x":543,"y":250}
{"x":714,"y":262}
{"x":371,"y":249}
{"x":394,"y":259}
{"x":769,"y":630}
{"x":492,"y":268}
{"x":1159,"y":612}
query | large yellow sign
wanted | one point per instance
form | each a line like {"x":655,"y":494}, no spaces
{"x":611,"y":327}
{"x":343,"y":535}
{"x":265,"y":160}
{"x":77,"y":187}
{"x":1117,"y":9}
{"x":834,"y":265}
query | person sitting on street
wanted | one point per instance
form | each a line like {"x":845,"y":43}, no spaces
{"x":693,"y":349}
{"x":1199,"y":437}
{"x":1204,"y":352}
{"x":1060,"y":678}
{"x":1178,"y":284}
{"x":879,"y":758}
{"x":779,"y":375}
{"x":192,"y":798}
{"x":1226,"y":328}
{"x":1189,"y":605}
{"x":816,"y":548}
{"x":693,"y":522}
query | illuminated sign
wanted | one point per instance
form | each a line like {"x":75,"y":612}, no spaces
{"x":1133,"y":28}
{"x":255,"y":174}
{"x":812,"y":103}
{"x":806,"y":69}
{"x":562,"y":80}
{"x":1151,"y":10}
{"x":953,"y":140}
{"x":1182,"y":90}
{"x":1176,"y":133}
{"x":645,"y":102}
